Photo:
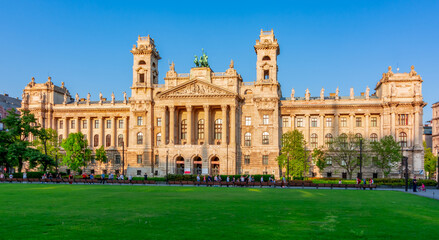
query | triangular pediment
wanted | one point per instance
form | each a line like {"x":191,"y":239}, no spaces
{"x":196,"y":88}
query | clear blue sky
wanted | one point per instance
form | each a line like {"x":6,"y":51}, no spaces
{"x":326,"y":44}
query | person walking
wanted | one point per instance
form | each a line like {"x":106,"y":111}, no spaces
{"x":24,"y":176}
{"x":415,"y":184}
{"x":198,"y":180}
{"x":111,"y":176}
{"x":145,"y":176}
{"x":91,"y":178}
{"x":103,"y":178}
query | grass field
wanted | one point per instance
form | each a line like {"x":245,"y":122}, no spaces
{"x":46,"y":211}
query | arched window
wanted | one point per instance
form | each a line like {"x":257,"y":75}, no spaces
{"x":403,"y":139}
{"x":266,"y":74}
{"x":201,"y":129}
{"x":265,"y":138}
{"x":153,"y":65}
{"x":218,"y":129}
{"x":373,"y":137}
{"x":141,"y":62}
{"x":60,"y":138}
{"x":183,"y":129}
{"x":139,"y":138}
{"x":108,"y":140}
{"x":344,"y":139}
{"x":328,"y":139}
{"x":266,"y":58}
{"x":158,"y":139}
{"x":314,"y":140}
{"x":120,"y":140}
{"x":247,"y":139}
{"x":96,"y":140}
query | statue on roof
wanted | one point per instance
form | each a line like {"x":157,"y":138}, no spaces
{"x":202,"y":61}
{"x":412,"y":72}
{"x":112,"y":97}
{"x":88,"y":97}
{"x":77,"y":97}
{"x":172,"y":66}
{"x":231,"y":64}
{"x":322,"y":94}
{"x":124,"y":97}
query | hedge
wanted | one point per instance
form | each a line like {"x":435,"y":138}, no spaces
{"x":179,"y":177}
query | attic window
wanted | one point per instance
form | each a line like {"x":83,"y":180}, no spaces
{"x":141,"y":62}
{"x":266,"y":58}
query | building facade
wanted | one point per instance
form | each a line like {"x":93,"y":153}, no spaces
{"x":435,"y":129}
{"x":206,"y":122}
{"x":7,"y":103}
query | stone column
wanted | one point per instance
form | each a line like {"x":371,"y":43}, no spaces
{"x":90,"y":131}
{"x":190,"y":124}
{"x":233,"y":127}
{"x":206,"y":124}
{"x":351,"y":123}
{"x":381,"y":125}
{"x":307,"y":128}
{"x":164,"y":126}
{"x":114,"y":124}
{"x":366,"y":132}
{"x":171,"y":124}
{"x":293,"y":121}
{"x":78,"y":123}
{"x":125,"y":131}
{"x":392,"y":125}
{"x":224,"y":125}
{"x":336,"y":124}
{"x":322,"y":130}
{"x":102,"y":130}
{"x":66,"y":126}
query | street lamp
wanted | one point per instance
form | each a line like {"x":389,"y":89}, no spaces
{"x":123,"y":158}
{"x":437,"y":166}
{"x":361,"y":158}
{"x":304,"y":164}
{"x":167,"y":153}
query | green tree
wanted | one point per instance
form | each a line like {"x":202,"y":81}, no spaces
{"x":387,"y":152}
{"x":319,"y":157}
{"x":37,"y":158}
{"x":430,"y":161}
{"x":15,"y":141}
{"x":101,"y":155}
{"x":345,"y":151}
{"x":47,"y":143}
{"x":293,"y":154}
{"x":77,"y":152}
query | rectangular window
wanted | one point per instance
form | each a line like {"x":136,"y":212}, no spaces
{"x":246,"y":159}
{"x":328,"y":122}
{"x":329,"y":174}
{"x":313,"y":122}
{"x":373,"y":122}
{"x":358,"y":122}
{"x":344,"y":175}
{"x":139,"y":121}
{"x":266,"y":119}
{"x":329,"y":161}
{"x":403,"y":119}
{"x":96,"y":124}
{"x":142,"y":77}
{"x":120,"y":123}
{"x":248,"y":121}
{"x":139,"y":159}
{"x":159,"y":122}
{"x":61,"y":124}
{"x":108,"y":123}
{"x":343,"y":122}
{"x":72,"y":124}
{"x":156,"y":160}
{"x":264,"y":159}
{"x":84,"y":124}
{"x":299,"y":122}
{"x":285,"y":121}
{"x":139,"y":172}
{"x":117,"y":160}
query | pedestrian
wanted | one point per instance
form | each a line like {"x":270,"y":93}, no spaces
{"x":111,"y":176}
{"x":415,"y":184}
{"x":2,"y":175}
{"x":339,"y":181}
{"x":364,"y":184}
{"x":84,"y":175}
{"x":198,"y":179}
{"x":215,"y":178}
{"x":423,"y":187}
{"x":11,"y":176}
{"x":24,"y":176}
{"x":50,"y":176}
{"x":370,"y":182}
{"x":228,"y":179}
{"x":262,"y":179}
{"x":130,"y":177}
{"x":70,"y":178}
{"x":204,"y":178}
{"x":91,"y":178}
{"x":145,"y":176}
{"x":122,"y":177}
{"x":103,"y":178}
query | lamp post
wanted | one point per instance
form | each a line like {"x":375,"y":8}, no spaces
{"x":167,"y":153}
{"x":123,"y":158}
{"x":437,"y":166}
{"x":304,"y":164}
{"x":361,"y":158}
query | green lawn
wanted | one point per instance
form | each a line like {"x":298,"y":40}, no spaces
{"x":46,"y":211}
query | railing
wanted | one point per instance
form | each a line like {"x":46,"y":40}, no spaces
{"x":219,"y":74}
{"x":158,"y":85}
{"x":183,"y":75}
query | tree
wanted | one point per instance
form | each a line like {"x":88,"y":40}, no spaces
{"x":345,"y":151}
{"x":388,"y":153}
{"x":293,"y":153}
{"x":37,"y":158}
{"x":101,"y":155}
{"x":14,"y":141}
{"x":47,"y":143}
{"x":77,"y":152}
{"x":319,"y":156}
{"x":430,"y":161}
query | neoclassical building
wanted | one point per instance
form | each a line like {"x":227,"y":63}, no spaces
{"x":206,"y":122}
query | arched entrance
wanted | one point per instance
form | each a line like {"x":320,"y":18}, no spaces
{"x":214,"y":166}
{"x":179,"y":161}
{"x":198,"y":164}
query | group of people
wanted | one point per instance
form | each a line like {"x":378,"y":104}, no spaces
{"x":364,"y":181}
{"x":217,"y":178}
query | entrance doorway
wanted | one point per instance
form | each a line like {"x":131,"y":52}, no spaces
{"x":214,"y":166}
{"x":197,"y":165}
{"x":180,"y":165}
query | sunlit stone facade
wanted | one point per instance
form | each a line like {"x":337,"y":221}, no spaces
{"x":213,"y":122}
